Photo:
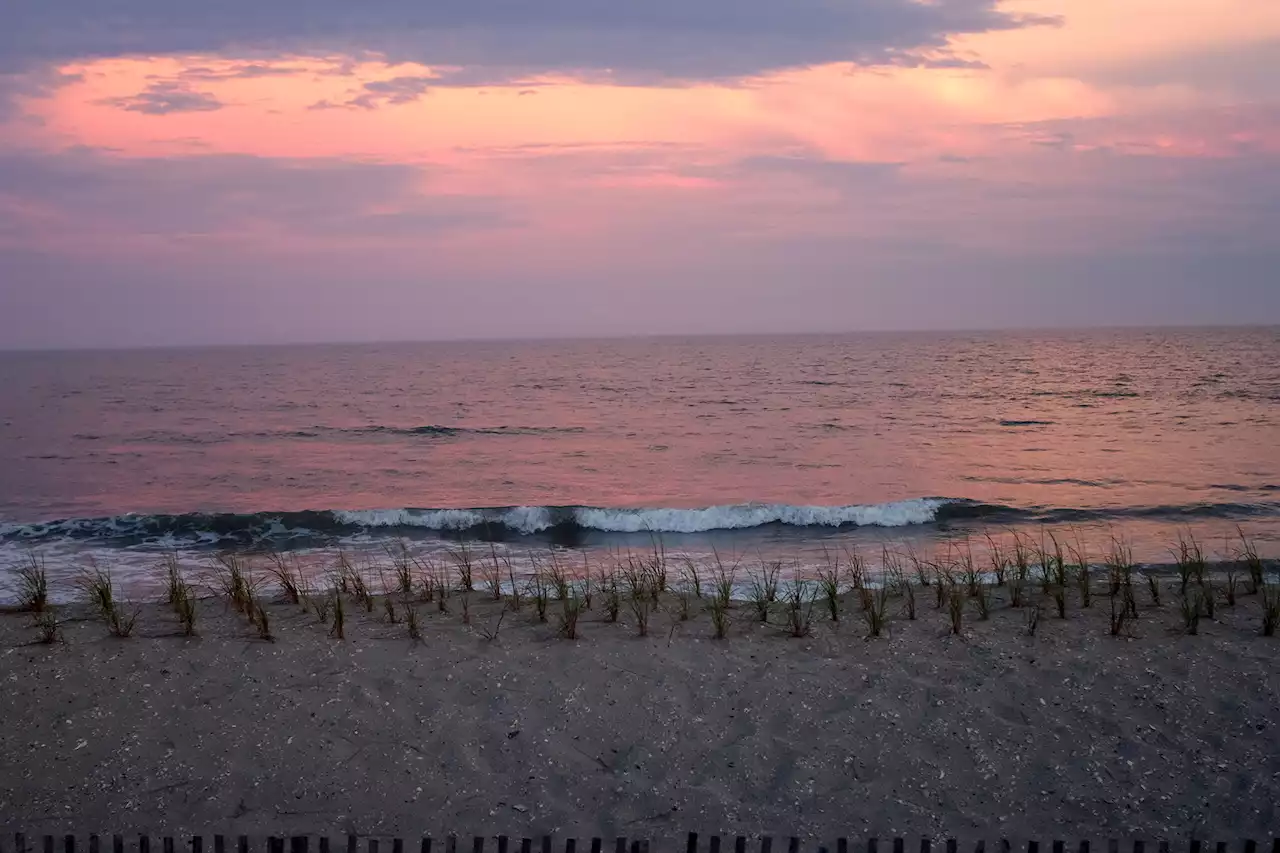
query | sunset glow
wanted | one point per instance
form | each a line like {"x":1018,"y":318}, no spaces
{"x":1083,"y":133}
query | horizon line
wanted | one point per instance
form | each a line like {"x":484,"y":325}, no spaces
{"x":640,"y":336}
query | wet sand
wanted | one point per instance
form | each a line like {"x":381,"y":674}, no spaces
{"x":1072,"y":733}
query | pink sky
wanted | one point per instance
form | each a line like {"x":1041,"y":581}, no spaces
{"x":1043,"y":162}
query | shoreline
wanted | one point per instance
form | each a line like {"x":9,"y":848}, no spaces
{"x":1070,"y":732}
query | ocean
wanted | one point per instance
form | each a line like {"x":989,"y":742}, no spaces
{"x":778,"y":447}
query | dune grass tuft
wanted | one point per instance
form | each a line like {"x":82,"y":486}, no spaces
{"x":800,"y":600}
{"x":33,"y":584}
{"x":1080,"y":564}
{"x":610,"y":592}
{"x":464,"y":565}
{"x":1033,"y":619}
{"x":571,"y":607}
{"x":1190,"y":561}
{"x":403,"y":564}
{"x":48,"y":626}
{"x":999,"y":562}
{"x":493,"y":572}
{"x":639,"y":594}
{"x":338,"y":630}
{"x":288,"y":576}
{"x":1190,"y":606}
{"x":1270,"y":608}
{"x":763,"y":588}
{"x":955,"y":609}
{"x":876,"y":615}
{"x":412,"y":624}
{"x":1247,"y":555}
{"x":98,"y":589}
{"x":540,"y":592}
{"x":721,"y":594}
{"x":187,"y":610}
{"x":981,"y":596}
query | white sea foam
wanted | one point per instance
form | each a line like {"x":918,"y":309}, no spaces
{"x":532,"y":519}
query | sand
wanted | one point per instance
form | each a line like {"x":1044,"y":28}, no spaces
{"x":1072,"y":733}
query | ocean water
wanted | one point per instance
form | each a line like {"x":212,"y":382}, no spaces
{"x":754,"y":445}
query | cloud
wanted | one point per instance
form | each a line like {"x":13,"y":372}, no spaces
{"x":661,"y":39}
{"x":167,"y":96}
{"x":80,"y":194}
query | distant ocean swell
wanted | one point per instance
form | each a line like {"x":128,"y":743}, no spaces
{"x":214,"y":528}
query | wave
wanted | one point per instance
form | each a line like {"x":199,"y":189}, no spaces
{"x":568,"y":522}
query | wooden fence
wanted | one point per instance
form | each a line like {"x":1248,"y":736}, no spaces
{"x":545,"y":844}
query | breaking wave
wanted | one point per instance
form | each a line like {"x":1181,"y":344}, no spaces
{"x":214,"y":528}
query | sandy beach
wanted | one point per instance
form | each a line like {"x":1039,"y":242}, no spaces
{"x":1072,"y":733}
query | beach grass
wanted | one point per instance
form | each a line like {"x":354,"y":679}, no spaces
{"x":338,"y":630}
{"x":33,"y":583}
{"x":1080,"y":562}
{"x":876,"y":615}
{"x":571,"y":607}
{"x":762,"y":587}
{"x":412,"y":623}
{"x":801,"y":597}
{"x":288,"y":576}
{"x":540,"y":592}
{"x":955,"y":600}
{"x":187,"y":610}
{"x":1270,"y":594}
{"x":464,"y":565}
{"x":48,"y":626}
{"x":1190,"y":604}
{"x":97,"y":587}
{"x":1247,"y":553}
{"x":999,"y":562}
{"x":1033,"y":619}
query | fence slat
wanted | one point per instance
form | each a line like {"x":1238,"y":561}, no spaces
{"x":373,"y":845}
{"x":397,"y":845}
{"x":1033,"y":847}
{"x":898,"y":845}
{"x":323,"y":844}
{"x":1084,"y":846}
{"x":1250,"y":846}
{"x":144,"y":844}
{"x":477,"y":844}
{"x":1195,"y":845}
{"x":1139,"y":846}
{"x":69,"y":844}
{"x":766,"y":844}
{"x":451,"y":843}
{"x":502,"y":843}
{"x":95,"y":844}
{"x":117,"y":844}
{"x":621,"y":846}
{"x":597,"y":844}
{"x":951,"y":845}
{"x":571,"y":845}
{"x":873,"y":845}
{"x":1060,"y":847}
{"x":691,"y":844}
{"x":48,"y":844}
{"x":166,"y":844}
{"x":740,"y":844}
{"x":925,"y":845}
{"x":425,"y":847}
{"x":715,"y":844}
{"x":299,"y":844}
{"x":793,"y":845}
{"x":197,"y":844}
{"x":242,"y":844}
{"x":19,"y":843}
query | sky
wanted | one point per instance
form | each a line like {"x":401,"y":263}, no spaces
{"x":249,"y":172}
